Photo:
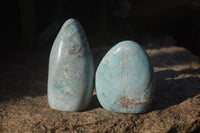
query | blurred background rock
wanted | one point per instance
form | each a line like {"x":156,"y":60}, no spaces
{"x":34,"y":24}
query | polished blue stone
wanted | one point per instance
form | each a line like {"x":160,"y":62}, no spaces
{"x":71,"y":69}
{"x":124,"y":79}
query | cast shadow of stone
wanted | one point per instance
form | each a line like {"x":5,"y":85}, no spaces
{"x":173,"y":87}
{"x":177,"y":78}
{"x":93,"y":104}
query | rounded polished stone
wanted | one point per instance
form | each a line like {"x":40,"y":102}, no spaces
{"x":71,"y":69}
{"x":124,"y":79}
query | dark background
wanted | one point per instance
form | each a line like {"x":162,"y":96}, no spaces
{"x":34,"y":24}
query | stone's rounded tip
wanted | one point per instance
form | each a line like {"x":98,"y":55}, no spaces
{"x":127,"y":41}
{"x":72,"y":27}
{"x":71,"y":20}
{"x":124,"y":79}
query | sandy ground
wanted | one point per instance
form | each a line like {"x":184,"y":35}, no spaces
{"x":175,"y":108}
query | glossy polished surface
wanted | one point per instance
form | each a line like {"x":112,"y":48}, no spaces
{"x":124,"y":79}
{"x":71,"y":69}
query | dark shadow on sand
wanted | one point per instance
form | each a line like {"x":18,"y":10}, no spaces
{"x":172,"y":88}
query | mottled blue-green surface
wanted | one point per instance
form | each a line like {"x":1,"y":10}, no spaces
{"x":71,"y":69}
{"x":124,"y":79}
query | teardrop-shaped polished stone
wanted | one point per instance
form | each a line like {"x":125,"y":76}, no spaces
{"x":71,"y":69}
{"x":124,"y":79}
